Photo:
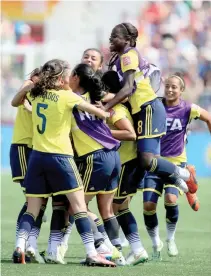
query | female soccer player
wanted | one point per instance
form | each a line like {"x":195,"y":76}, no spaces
{"x":94,"y":58}
{"x":121,"y":125}
{"x":179,"y":115}
{"x":20,"y":151}
{"x":97,"y":157}
{"x":147,"y":111}
{"x":52,"y":170}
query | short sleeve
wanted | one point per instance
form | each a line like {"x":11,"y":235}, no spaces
{"x":129,"y":61}
{"x":119,"y":113}
{"x":73,"y":100}
{"x":195,"y":111}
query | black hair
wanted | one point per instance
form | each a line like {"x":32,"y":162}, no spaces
{"x":48,"y":76}
{"x":90,"y":81}
{"x":181,"y":79}
{"x":111,"y":82}
{"x":129,"y":32}
{"x":96,"y":50}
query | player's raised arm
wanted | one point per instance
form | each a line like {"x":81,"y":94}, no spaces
{"x":85,"y":106}
{"x":126,"y":90}
{"x":26,"y":87}
{"x":19,"y":97}
{"x":118,"y":93}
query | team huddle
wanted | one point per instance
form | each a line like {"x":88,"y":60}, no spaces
{"x":85,"y":133}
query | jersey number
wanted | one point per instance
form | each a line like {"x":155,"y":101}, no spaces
{"x":42,"y":116}
{"x":139,"y":128}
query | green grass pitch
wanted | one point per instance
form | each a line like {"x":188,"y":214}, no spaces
{"x":193,"y":240}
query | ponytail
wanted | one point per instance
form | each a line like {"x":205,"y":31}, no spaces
{"x":95,"y":88}
{"x":48,"y":77}
{"x":90,"y":81}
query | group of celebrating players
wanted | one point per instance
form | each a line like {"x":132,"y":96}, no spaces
{"x":86,"y":133}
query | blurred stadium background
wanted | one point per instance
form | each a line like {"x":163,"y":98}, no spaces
{"x":175,"y":35}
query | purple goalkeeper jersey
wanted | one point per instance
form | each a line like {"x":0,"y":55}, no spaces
{"x":177,"y":119}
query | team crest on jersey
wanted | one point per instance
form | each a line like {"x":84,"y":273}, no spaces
{"x":126,"y":61}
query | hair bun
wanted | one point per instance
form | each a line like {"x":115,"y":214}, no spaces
{"x":53,"y":67}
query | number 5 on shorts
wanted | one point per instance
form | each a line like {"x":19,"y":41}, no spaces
{"x":139,"y":128}
{"x":42,"y":116}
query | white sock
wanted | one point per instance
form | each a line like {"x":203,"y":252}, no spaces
{"x":122,"y":235}
{"x":49,"y":244}
{"x":32,"y":240}
{"x":88,"y":241}
{"x":154,"y":235}
{"x":103,"y":248}
{"x":183,"y":173}
{"x":21,"y":243}
{"x":108,"y":242}
{"x":67,"y":234}
{"x":135,"y":243}
{"x":171,"y":230}
{"x":56,"y":239}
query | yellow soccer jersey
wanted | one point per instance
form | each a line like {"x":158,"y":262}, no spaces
{"x":23,"y":131}
{"x":182,"y":158}
{"x":127,"y":150}
{"x":83,"y":144}
{"x":143,"y":91}
{"x":51,"y":116}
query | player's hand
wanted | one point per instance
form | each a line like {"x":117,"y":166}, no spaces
{"x":34,"y":79}
{"x":109,"y":96}
{"x":99,"y":105}
{"x":28,"y":82}
{"x":109,"y":113}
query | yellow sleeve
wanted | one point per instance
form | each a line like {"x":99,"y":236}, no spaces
{"x":129,"y":61}
{"x":73,"y":100}
{"x":195,"y":111}
{"x":119,"y":113}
